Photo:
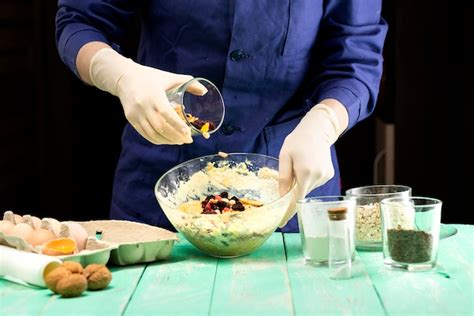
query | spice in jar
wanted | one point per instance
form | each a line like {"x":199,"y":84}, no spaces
{"x":409,"y":246}
{"x":368,"y":223}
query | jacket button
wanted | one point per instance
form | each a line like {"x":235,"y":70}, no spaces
{"x":238,"y":55}
{"x":228,"y":129}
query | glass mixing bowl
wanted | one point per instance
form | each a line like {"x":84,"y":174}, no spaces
{"x":225,"y":235}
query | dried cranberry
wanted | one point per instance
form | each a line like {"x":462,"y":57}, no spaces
{"x":221,"y":204}
{"x":206,"y":200}
{"x":238,"y":207}
{"x":200,"y":123}
{"x":224,"y":195}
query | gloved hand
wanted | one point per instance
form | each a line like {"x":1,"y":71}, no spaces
{"x":142,"y":92}
{"x":305,"y":156}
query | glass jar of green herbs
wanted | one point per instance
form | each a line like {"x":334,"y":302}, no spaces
{"x":412,"y":244}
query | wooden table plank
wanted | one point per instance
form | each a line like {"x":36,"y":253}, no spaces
{"x":314,"y":293}
{"x":462,"y":244}
{"x":457,"y":262}
{"x":256,"y":284}
{"x":427,"y":293}
{"x":17,"y":299}
{"x":181,"y":286}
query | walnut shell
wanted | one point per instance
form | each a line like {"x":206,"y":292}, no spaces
{"x":98,"y":276}
{"x":74,"y":267}
{"x":72,"y":285}
{"x":52,"y":278}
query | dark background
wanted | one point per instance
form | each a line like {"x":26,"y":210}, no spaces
{"x":60,"y":140}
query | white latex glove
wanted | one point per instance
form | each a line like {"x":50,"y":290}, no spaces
{"x":306,"y":155}
{"x":142,"y":92}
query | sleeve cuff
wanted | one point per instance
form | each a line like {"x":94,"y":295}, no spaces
{"x":351,"y":93}
{"x":73,"y":38}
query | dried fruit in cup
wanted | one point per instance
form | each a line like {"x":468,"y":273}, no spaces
{"x":203,"y":126}
{"x":59,"y":247}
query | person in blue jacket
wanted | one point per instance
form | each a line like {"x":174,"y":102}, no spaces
{"x":294,"y":74}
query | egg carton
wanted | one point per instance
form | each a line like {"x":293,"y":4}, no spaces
{"x":110,"y":241}
{"x":136,"y":242}
{"x":95,"y":251}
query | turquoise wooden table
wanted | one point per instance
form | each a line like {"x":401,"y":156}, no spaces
{"x":272,"y":281}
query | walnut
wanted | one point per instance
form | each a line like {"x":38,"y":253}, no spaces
{"x":74,"y":267}
{"x":98,"y":276}
{"x":52,"y":278}
{"x":72,"y":285}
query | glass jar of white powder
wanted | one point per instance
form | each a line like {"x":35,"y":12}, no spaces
{"x":368,"y":226}
{"x":314,"y":226}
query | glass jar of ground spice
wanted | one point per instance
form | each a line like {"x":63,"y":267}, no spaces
{"x":368,"y":230}
{"x":413,"y":244}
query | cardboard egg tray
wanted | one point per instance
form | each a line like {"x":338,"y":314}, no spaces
{"x":95,"y":252}
{"x":112,"y":241}
{"x":136,"y":242}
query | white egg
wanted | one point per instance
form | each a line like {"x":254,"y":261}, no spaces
{"x":5,"y":226}
{"x":51,"y":224}
{"x":79,"y":233}
{"x":41,"y":236}
{"x":23,"y":231}
{"x":33,"y":221}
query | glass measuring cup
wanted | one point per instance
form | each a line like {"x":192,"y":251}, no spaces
{"x":204,"y":114}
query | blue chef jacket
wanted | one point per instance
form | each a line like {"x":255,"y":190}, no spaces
{"x":272,"y":60}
